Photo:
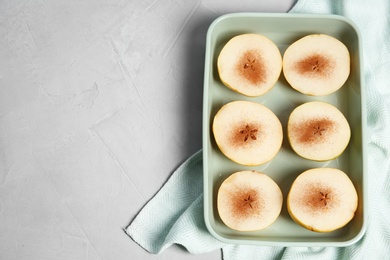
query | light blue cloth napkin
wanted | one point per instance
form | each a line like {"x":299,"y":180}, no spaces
{"x":175,"y":214}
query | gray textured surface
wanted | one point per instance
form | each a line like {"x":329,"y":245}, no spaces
{"x":99,"y":103}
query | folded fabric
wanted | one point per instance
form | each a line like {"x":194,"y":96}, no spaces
{"x":175,"y":214}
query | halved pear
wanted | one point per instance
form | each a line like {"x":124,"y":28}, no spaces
{"x":322,"y":199}
{"x":316,"y":64}
{"x":318,"y":131}
{"x":247,"y":132}
{"x":250,"y":64}
{"x":249,"y":201}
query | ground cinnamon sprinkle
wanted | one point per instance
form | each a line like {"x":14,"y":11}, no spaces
{"x":317,"y":199}
{"x":314,"y":130}
{"x":244,"y":134}
{"x":251,"y":67}
{"x":315,"y":65}
{"x":245,"y":202}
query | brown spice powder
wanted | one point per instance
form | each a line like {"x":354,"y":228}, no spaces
{"x":313,"y":131}
{"x":251,"y":67}
{"x":315,"y":65}
{"x":245,"y":202}
{"x":318,"y":198}
{"x":244,"y":134}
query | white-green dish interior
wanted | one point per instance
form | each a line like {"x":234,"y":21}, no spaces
{"x":284,"y":29}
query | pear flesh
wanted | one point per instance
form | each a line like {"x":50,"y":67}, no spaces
{"x":318,"y":131}
{"x":316,"y":64}
{"x":249,"y":64}
{"x":248,"y":133}
{"x":322,"y":199}
{"x":249,"y":201}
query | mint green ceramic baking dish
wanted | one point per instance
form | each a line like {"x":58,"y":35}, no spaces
{"x":284,"y":29}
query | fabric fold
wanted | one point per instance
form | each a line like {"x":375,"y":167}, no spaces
{"x":175,"y":214}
